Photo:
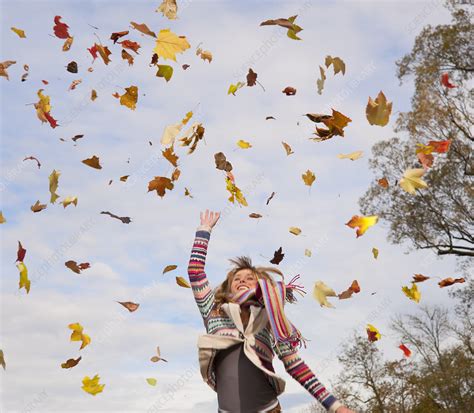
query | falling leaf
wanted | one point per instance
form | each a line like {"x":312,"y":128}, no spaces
{"x":372,"y":333}
{"x":354,"y":288}
{"x":271,"y":196}
{"x":127,"y":56}
{"x":53,"y":185}
{"x":2,"y":218}
{"x":235,"y":193}
{"x":425,"y":160}
{"x":73,"y":266}
{"x":187,"y":193}
{"x":168,"y":8}
{"x":277,"y":256}
{"x":117,"y":35}
{"x":67,"y":44}
{"x":320,"y":292}
{"x":24,"y":281}
{"x":251,"y":78}
{"x":450,"y":281}
{"x":335,"y":124}
{"x":2,"y":360}
{"x":130,"y":97}
{"x":169,"y":154}
{"x":69,"y":200}
{"x":21,"y":252}
{"x":157,"y":358}
{"x":243,"y":144}
{"x":270,"y":117}
{"x":405,"y":350}
{"x":74,"y":83}
{"x":378,"y":111}
{"x":362,"y":223}
{"x":19,"y":32}
{"x":418,"y":278}
{"x":320,"y":82}
{"x":234,"y":88}
{"x":204,"y":54}
{"x":125,"y":220}
{"x":383,"y":182}
{"x":287,"y":24}
{"x":93,"y":94}
{"x":143,"y":28}
{"x":307,"y":252}
{"x":192,"y":136}
{"x":128,"y":44}
{"x":72,"y":67}
{"x":445,"y":81}
{"x":412,"y":180}
{"x":129,"y":305}
{"x":255,"y":215}
{"x":289,"y":91}
{"x":295,"y":230}
{"x":78,"y":335}
{"x":92,"y":386}
{"x":60,"y":29}
{"x":287,"y":147}
{"x":165,"y":71}
{"x":175,"y":175}
{"x":70,"y":363}
{"x":92,"y":162}
{"x":182,"y":282}
{"x":308,"y":177}
{"x":352,"y":156}
{"x":412,"y":293}
{"x":151,"y":381}
{"x":160,"y":184}
{"x":37,"y":207}
{"x":375,"y":252}
{"x":169,"y":268}
{"x":222,"y":163}
{"x":4,"y":66}
{"x":169,"y":44}
{"x":43,"y":109}
{"x":434,"y":146}
{"x":337,"y":64}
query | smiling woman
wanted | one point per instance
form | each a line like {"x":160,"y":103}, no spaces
{"x":246,"y":325}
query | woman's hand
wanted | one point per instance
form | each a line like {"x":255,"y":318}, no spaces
{"x":344,"y":409}
{"x":209,"y":219}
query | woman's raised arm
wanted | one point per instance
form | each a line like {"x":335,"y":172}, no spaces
{"x":197,"y":276}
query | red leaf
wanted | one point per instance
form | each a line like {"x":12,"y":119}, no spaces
{"x":60,"y":29}
{"x":445,"y":81}
{"x":405,"y":350}
{"x":440,"y":146}
{"x":20,"y":253}
{"x":51,"y":120}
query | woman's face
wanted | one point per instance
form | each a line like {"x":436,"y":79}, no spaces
{"x":243,"y":279}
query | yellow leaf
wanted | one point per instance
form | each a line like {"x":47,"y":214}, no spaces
{"x":2,"y":218}
{"x":19,"y":32}
{"x":308,"y":177}
{"x":93,"y":95}
{"x":307,"y":252}
{"x":67,"y":44}
{"x":4,"y":66}
{"x":42,"y":106}
{"x":412,"y":293}
{"x":53,"y":185}
{"x":69,"y":200}
{"x":182,"y":282}
{"x":165,"y":71}
{"x":320,"y":82}
{"x":169,"y":9}
{"x":92,"y":386}
{"x":287,"y":147}
{"x":378,"y":111}
{"x":352,"y":156}
{"x":130,"y":97}
{"x":243,"y":144}
{"x":169,"y":44}
{"x":362,"y":222}
{"x":24,"y":281}
{"x":321,"y":291}
{"x":169,"y":268}
{"x":78,"y":335}
{"x":151,"y":381}
{"x":295,"y":230}
{"x":337,"y":64}
{"x":234,"y":88}
{"x":104,"y":52}
{"x":412,"y":180}
{"x":375,"y":252}
{"x":235,"y":193}
{"x":372,"y":333}
{"x":170,"y":133}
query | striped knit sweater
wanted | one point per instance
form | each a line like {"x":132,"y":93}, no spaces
{"x":222,"y":325}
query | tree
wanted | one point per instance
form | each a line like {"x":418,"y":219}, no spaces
{"x":441,"y":217}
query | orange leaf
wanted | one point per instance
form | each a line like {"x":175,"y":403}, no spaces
{"x":362,"y":223}
{"x":450,"y":281}
{"x":405,"y":350}
{"x":160,"y":184}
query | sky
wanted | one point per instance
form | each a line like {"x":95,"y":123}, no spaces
{"x":127,"y":260}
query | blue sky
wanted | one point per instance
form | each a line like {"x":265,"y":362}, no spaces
{"x":127,"y":260}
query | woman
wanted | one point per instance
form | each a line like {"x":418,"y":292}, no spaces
{"x":245,"y":325}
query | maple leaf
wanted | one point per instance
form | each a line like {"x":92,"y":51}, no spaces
{"x":160,"y":184}
{"x":168,"y":8}
{"x":92,"y":386}
{"x":78,"y":335}
{"x":412,"y":180}
{"x":337,"y":64}
{"x":445,"y":81}
{"x":362,"y":223}
{"x":4,"y":66}
{"x":372,"y":333}
{"x":277,"y":256}
{"x":378,"y":111}
{"x":60,"y":29}
{"x":130,"y":97}
{"x":143,"y":28}
{"x":308,"y":177}
{"x":412,"y":293}
{"x":53,"y":185}
{"x":168,"y":44}
{"x":320,"y":82}
{"x":320,"y":292}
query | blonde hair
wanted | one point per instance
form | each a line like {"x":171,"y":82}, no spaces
{"x":221,"y":293}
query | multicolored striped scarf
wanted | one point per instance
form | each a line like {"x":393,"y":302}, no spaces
{"x":272,"y":296}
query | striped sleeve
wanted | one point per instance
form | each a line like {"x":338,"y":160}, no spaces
{"x":197,"y":277}
{"x":300,"y":371}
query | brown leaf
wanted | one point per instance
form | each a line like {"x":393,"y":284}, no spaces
{"x":37,"y":207}
{"x":277,"y":256}
{"x":251,"y":78}
{"x":160,"y":184}
{"x":143,"y":28}
{"x":287,"y":147}
{"x":117,"y":35}
{"x":71,"y":363}
{"x":127,"y":56}
{"x":72,"y":265}
{"x":92,"y":162}
{"x":20,"y":253}
{"x":418,"y":278}
{"x":271,"y":196}
{"x":125,"y":220}
{"x":169,"y":154}
{"x":222,"y":163}
{"x":129,"y":305}
{"x":175,"y":175}
{"x":289,"y":91}
{"x":254,"y":215}
{"x":450,"y":281}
